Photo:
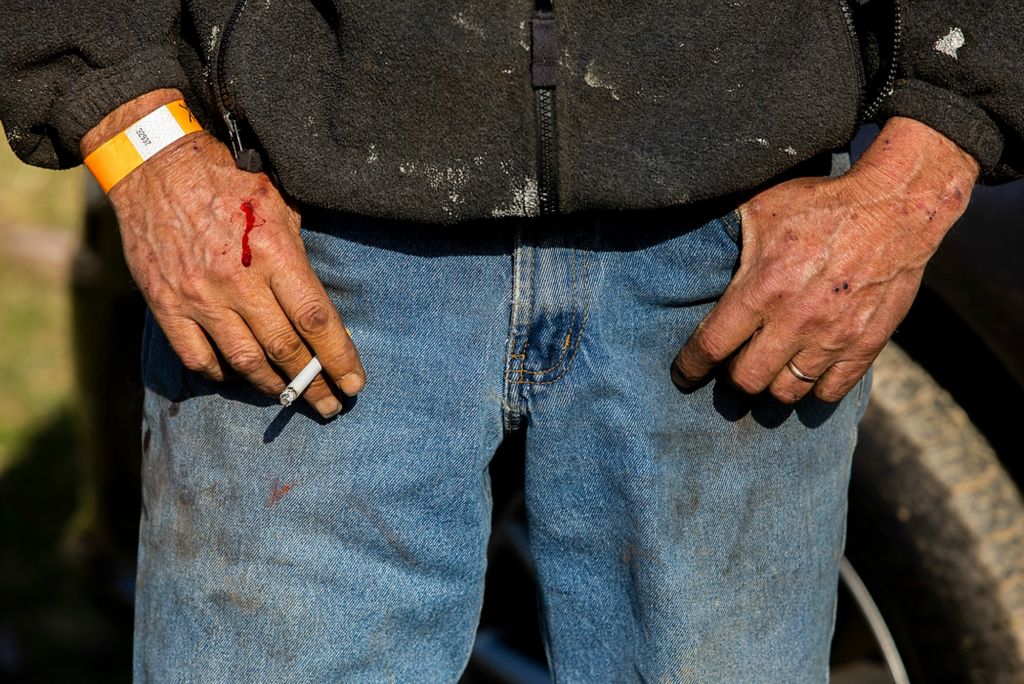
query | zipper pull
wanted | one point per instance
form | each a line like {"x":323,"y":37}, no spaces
{"x":246,"y":159}
{"x":544,"y":51}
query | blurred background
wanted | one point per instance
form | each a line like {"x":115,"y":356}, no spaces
{"x":68,"y":519}
{"x":932,"y":585}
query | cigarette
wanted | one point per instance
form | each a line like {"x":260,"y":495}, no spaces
{"x":297,"y":386}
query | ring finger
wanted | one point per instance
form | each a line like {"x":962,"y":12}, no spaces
{"x":798,"y":376}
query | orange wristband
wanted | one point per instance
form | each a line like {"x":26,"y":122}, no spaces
{"x":122,"y":154}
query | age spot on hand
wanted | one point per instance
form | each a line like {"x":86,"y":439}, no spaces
{"x":249,"y":209}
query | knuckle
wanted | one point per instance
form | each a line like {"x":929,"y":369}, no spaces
{"x":858,"y":362}
{"x":346,"y":357}
{"x":871,"y":343}
{"x":711,"y":347}
{"x":851,"y":326}
{"x":225,"y":272}
{"x":829,"y":393}
{"x":755,"y":207}
{"x":771,"y":289}
{"x":747,"y":379}
{"x":199,"y":362}
{"x":816,"y":317}
{"x":313,"y":316}
{"x":284,"y":347}
{"x":854,"y":363}
{"x":159,"y":296}
{"x":835,"y":342}
{"x":788,"y":394}
{"x":191,"y":270}
{"x":190,"y":290}
{"x":774,"y":276}
{"x":245,"y":360}
{"x":318,"y":389}
{"x":269,"y":386}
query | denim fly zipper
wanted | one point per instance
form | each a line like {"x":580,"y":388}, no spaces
{"x":544,"y":69}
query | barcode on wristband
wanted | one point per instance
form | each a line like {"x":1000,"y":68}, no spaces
{"x":154,"y":132}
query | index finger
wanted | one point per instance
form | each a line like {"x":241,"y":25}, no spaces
{"x":312,"y":312}
{"x":724,"y":330}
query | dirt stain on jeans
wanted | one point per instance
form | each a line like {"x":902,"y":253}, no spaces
{"x":195,"y":531}
{"x":231,"y":597}
{"x":383,"y":528}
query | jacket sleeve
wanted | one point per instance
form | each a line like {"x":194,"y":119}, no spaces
{"x":962,"y":73}
{"x":65,"y":65}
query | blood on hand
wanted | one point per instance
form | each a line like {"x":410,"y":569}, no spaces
{"x":251,"y":221}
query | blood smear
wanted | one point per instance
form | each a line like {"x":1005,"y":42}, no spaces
{"x":249,"y":209}
{"x":278,"y":492}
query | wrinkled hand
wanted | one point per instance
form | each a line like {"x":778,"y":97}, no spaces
{"x":182,"y":224}
{"x":829,"y":267}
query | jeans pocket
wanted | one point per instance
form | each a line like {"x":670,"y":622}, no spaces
{"x":733,"y":224}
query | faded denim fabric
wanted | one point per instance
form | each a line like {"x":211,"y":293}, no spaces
{"x":678,"y":536}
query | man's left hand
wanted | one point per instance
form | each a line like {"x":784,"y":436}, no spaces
{"x":829,"y":267}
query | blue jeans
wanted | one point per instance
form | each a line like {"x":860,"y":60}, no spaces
{"x":678,"y":536}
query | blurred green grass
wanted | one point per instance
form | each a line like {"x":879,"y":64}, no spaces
{"x":40,"y":221}
{"x":57,"y":621}
{"x":39,"y":197}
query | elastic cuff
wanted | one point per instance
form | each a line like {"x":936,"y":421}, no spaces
{"x":101,"y":91}
{"x":952,"y":115}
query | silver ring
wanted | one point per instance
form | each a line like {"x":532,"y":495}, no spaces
{"x":800,"y":374}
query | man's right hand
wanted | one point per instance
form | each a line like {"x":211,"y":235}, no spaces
{"x":182,"y":223}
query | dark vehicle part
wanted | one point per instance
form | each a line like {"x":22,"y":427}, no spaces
{"x":854,"y":586}
{"x":937,"y":529}
{"x":966,"y":327}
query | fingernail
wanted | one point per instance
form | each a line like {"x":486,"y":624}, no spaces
{"x":680,"y":380}
{"x":352,"y":383}
{"x":328,"y":407}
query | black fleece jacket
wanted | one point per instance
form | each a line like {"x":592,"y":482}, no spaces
{"x":454,"y":109}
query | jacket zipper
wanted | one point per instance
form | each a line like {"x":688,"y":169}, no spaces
{"x":854,"y":45}
{"x":895,"y":58}
{"x":544,"y":67}
{"x":247,"y":159}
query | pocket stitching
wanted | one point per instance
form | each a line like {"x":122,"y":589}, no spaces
{"x":733,"y":224}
